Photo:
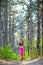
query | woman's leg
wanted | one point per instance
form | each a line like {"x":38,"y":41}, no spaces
{"x":21,"y":57}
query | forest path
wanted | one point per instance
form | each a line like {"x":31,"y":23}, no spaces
{"x":32,"y":62}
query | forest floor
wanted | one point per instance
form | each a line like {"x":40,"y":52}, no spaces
{"x":24,"y":62}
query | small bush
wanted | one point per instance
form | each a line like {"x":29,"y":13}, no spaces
{"x":34,"y":54}
{"x":26,"y":56}
{"x":7,"y":53}
{"x":2,"y":52}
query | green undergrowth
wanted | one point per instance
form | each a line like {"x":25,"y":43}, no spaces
{"x":7,"y":53}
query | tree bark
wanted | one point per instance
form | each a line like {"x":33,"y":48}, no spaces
{"x":31,"y":25}
{"x":5,"y":39}
{"x":28,"y":26}
{"x":42,"y":27}
{"x":0,"y":23}
{"x":38,"y":29}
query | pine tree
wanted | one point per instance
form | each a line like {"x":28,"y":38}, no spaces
{"x":0,"y":23}
{"x":42,"y":27}
{"x":38,"y":29}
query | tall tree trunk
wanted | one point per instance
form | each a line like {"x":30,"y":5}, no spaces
{"x":10,"y":25}
{"x":28,"y":25}
{"x":31,"y":24}
{"x":31,"y":28}
{"x":13,"y":34}
{"x":28,"y":35}
{"x":38,"y":29}
{"x":0,"y":23}
{"x":5,"y":25}
{"x":42,"y":27}
{"x":11,"y":28}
